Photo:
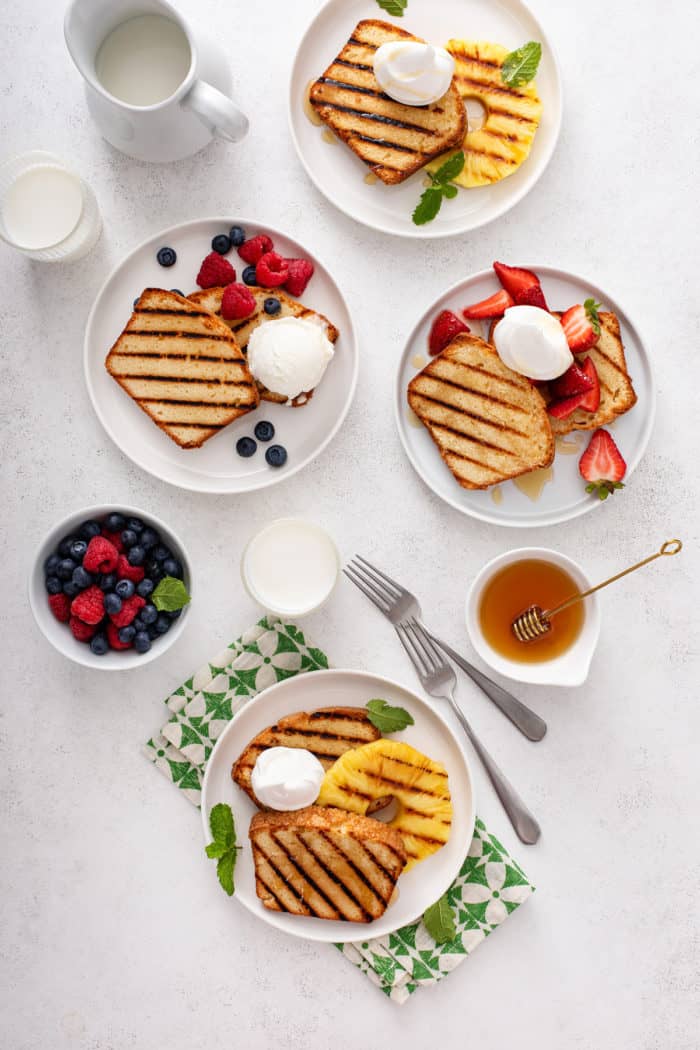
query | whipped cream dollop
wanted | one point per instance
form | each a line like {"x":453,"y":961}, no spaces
{"x":530,"y":341}
{"x":289,"y":355}
{"x":412,"y":72}
{"x":286,"y":778}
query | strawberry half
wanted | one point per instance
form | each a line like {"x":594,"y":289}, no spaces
{"x":566,"y":405}
{"x":578,"y":329}
{"x":602,"y":465}
{"x":523,"y":286}
{"x":444,"y":328}
{"x":573,"y":381}
{"x":591,"y":401}
{"x":495,"y":306}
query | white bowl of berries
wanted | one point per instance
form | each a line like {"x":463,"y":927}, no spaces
{"x":110,"y":587}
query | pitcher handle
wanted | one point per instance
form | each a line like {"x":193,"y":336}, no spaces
{"x":217,"y":111}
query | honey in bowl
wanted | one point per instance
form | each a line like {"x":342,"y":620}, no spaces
{"x":511,"y":591}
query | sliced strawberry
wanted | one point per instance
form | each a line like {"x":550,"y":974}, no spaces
{"x":495,"y":306}
{"x":522,"y":285}
{"x":591,"y":401}
{"x":574,"y":381}
{"x":578,"y":329}
{"x":602,"y":465}
{"x":444,"y":328}
{"x":566,"y":405}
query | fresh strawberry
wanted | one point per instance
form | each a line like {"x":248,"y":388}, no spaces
{"x":215,"y":271}
{"x":523,"y":286}
{"x":300,"y":273}
{"x":252,"y":251}
{"x":566,"y":405}
{"x":592,"y":398}
{"x":444,"y":328}
{"x":574,"y":381}
{"x":602,"y":466}
{"x":271,"y":270}
{"x":495,"y":306}
{"x":237,"y":302}
{"x":579,"y":329}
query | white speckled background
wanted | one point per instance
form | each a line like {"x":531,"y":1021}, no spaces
{"x":114,"y":933}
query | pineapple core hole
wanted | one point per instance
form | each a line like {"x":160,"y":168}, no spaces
{"x":476,"y":113}
{"x":384,"y":808}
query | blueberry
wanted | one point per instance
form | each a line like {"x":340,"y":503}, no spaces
{"x":142,"y":643}
{"x":78,"y":549}
{"x":264,"y":431}
{"x":129,"y":538}
{"x":148,"y":539}
{"x":115,"y":522}
{"x":81,"y":578}
{"x":113,"y":604}
{"x":124,"y":588}
{"x":272,"y":306}
{"x":246,"y":447}
{"x":276,"y":455}
{"x":174,"y":614}
{"x":136,"y":555}
{"x":89,"y":529}
{"x":145,"y":588}
{"x":71,"y":589}
{"x":65,"y":546}
{"x":138,"y":623}
{"x":152,"y":632}
{"x":149,"y":614}
{"x":51,"y":564}
{"x":161,"y":553}
{"x":162,"y":624}
{"x":178,"y":291}
{"x":135,"y":524}
{"x":126,"y":634}
{"x":136,"y":301}
{"x":172,"y":567}
{"x":64,"y":569}
{"x":53,"y":585}
{"x":153,"y":569}
{"x":99,"y":644}
{"x":236,"y":236}
{"x":107,"y":582}
{"x":166,"y":257}
{"x":221,"y":244}
{"x":248,"y":275}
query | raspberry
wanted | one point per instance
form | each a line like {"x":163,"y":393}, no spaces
{"x":253,"y":250}
{"x":215,"y":271}
{"x":101,"y":555}
{"x":89,"y":606}
{"x":115,"y":538}
{"x":237,"y":302}
{"x":82,"y":631}
{"x":272,"y":270}
{"x":300,"y":273}
{"x":113,"y":638}
{"x":60,"y":606}
{"x":131,"y":607}
{"x":127,"y":571}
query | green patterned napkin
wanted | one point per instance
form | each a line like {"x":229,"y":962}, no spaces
{"x":489,"y":886}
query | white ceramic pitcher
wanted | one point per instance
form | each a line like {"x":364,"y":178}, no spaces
{"x":178,"y":126}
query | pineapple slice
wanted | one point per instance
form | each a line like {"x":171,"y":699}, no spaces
{"x":512,"y":115}
{"x":389,"y":768}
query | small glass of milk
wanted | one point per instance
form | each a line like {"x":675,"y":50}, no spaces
{"x":47,"y":212}
{"x":290,"y":567}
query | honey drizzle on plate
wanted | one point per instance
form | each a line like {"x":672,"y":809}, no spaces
{"x":370,"y":178}
{"x":309,"y":110}
{"x":418,"y":361}
{"x":329,"y":137}
{"x":532,"y":484}
{"x":413,"y":419}
{"x":567,"y":448}
{"x":496,"y":495}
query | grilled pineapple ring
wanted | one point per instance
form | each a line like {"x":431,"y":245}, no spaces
{"x":389,"y":768}
{"x":512,"y":115}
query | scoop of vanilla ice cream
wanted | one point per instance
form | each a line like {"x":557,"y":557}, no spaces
{"x":289,"y":355}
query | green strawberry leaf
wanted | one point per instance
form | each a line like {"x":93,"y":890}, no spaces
{"x":520,"y":66}
{"x":222,"y":825}
{"x":387,"y":719}
{"x":439,"y":921}
{"x":451,"y":168}
{"x":592,"y":307}
{"x":224,"y":870}
{"x":170,"y":595}
{"x":393,"y":7}
{"x":428,"y":206}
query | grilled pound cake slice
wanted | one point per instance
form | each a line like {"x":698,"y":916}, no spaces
{"x":393,"y":139}
{"x":183,"y":367}
{"x":617,"y":394}
{"x":328,"y":733}
{"x":326,"y":863}
{"x":210,"y":299}
{"x":489,"y":423}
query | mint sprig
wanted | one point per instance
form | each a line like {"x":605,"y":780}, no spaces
{"x":170,"y":595}
{"x":439,"y":921}
{"x":223,"y":849}
{"x":592,"y":307}
{"x":387,"y":719}
{"x":393,"y":7}
{"x":520,"y":66}
{"x":441,"y":186}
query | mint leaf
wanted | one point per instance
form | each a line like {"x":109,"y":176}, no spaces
{"x":520,"y":66}
{"x":170,"y":595}
{"x":387,"y":719}
{"x":393,"y":7}
{"x":224,"y":870}
{"x":451,"y":168}
{"x":216,"y":849}
{"x":428,"y":206}
{"x":221,"y":823}
{"x":592,"y":307}
{"x":449,"y":191}
{"x":439,"y":921}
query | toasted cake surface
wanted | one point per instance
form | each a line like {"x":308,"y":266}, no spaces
{"x":489,"y":423}
{"x":325,"y":862}
{"x":393,"y":139}
{"x":210,"y":299}
{"x":183,"y":367}
{"x":328,"y":733}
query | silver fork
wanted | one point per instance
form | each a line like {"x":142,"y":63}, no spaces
{"x":438,"y":679}
{"x":398,"y":604}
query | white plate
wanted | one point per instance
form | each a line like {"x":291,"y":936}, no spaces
{"x":216,"y":467}
{"x":339,"y":174}
{"x":564,"y":497}
{"x":421,"y":886}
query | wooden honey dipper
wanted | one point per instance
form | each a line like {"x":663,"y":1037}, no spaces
{"x":534,"y":623}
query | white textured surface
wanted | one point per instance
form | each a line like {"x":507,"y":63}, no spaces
{"x":114,"y":932}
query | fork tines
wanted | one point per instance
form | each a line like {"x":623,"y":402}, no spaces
{"x":422,"y":652}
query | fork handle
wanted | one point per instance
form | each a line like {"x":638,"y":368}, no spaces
{"x":529,"y":724}
{"x":526,"y":827}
